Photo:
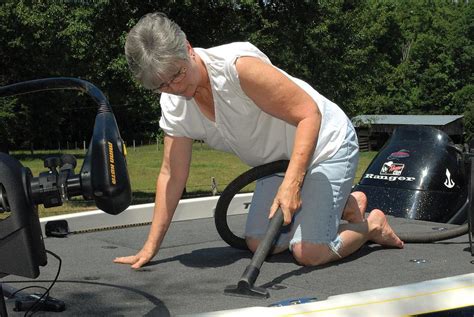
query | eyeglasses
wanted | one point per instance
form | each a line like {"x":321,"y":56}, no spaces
{"x":175,"y":79}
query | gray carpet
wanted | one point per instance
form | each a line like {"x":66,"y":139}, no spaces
{"x":194,"y":265}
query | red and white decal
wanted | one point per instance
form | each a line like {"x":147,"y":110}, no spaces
{"x":391,"y":168}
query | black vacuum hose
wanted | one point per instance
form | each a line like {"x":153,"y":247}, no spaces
{"x":220,"y":216}
{"x":429,"y":237}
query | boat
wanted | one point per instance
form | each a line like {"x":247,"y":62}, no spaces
{"x":195,"y":263}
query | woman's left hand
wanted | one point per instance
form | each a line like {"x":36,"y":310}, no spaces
{"x":288,"y":198}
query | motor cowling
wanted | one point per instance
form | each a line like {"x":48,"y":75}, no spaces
{"x":418,"y":174}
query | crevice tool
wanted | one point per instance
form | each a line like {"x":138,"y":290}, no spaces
{"x":245,"y":287}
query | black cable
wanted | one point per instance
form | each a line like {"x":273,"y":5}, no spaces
{"x":27,"y":287}
{"x":32,"y":308}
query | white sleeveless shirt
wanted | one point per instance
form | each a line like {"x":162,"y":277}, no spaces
{"x":240,"y":126}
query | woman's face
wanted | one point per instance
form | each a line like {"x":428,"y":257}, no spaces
{"x":185,"y":81}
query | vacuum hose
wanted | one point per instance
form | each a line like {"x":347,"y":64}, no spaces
{"x":220,"y":216}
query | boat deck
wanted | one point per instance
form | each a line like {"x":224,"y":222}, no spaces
{"x":194,"y":266}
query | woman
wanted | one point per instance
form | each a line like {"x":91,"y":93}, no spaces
{"x":234,"y":99}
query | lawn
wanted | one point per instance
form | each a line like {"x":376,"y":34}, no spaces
{"x":144,"y":164}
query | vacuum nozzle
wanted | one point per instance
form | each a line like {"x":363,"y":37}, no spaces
{"x":246,"y":285}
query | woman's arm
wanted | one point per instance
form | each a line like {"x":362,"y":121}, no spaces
{"x":169,"y":188}
{"x":278,"y":96}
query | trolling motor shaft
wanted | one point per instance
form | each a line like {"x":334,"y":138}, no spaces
{"x":51,"y":188}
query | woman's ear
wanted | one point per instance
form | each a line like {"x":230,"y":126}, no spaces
{"x":190,"y":49}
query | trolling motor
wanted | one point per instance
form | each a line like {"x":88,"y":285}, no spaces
{"x":103,"y":178}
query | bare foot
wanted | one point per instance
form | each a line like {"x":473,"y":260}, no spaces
{"x":380,"y":231}
{"x":354,"y":210}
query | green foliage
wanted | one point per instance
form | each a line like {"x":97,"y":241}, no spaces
{"x":429,"y":54}
{"x":469,"y":122}
{"x":81,"y":39}
{"x":370,"y":57}
{"x":463,"y":101}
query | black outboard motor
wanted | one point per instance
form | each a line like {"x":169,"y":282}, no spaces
{"x":418,"y":174}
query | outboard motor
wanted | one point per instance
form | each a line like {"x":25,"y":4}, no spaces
{"x":418,"y":174}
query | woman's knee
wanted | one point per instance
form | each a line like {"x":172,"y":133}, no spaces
{"x":253,"y":243}
{"x":312,"y":254}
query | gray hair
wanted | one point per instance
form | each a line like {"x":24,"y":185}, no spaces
{"x":153,"y":47}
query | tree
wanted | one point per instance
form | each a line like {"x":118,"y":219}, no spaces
{"x":392,"y":57}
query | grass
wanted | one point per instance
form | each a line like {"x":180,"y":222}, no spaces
{"x":144,"y":165}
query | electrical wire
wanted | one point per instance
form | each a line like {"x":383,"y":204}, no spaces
{"x":27,"y":287}
{"x":34,"y":307}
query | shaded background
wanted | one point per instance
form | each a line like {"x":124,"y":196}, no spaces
{"x":370,"y":57}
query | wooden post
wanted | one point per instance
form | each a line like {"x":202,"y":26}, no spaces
{"x":213,"y":186}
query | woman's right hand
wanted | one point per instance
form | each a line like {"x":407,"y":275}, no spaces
{"x":169,"y":188}
{"x":138,"y":260}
